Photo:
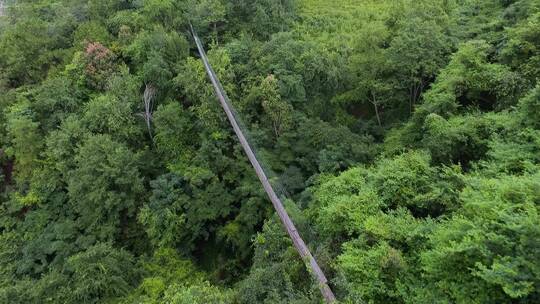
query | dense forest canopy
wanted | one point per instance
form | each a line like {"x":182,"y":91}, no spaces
{"x":405,"y":135}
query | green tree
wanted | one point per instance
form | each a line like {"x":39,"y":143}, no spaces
{"x":207,"y":14}
{"x":93,"y":67}
{"x":181,"y":211}
{"x":529,"y":107}
{"x":104,"y":188}
{"x":370,"y":70}
{"x":91,"y":32}
{"x":101,"y":273}
{"x":261,"y":17}
{"x":53,"y":100}
{"x":279,"y":111}
{"x":522,"y":50}
{"x":157,"y":54}
{"x":109,"y":115}
{"x":278,"y":275}
{"x":176,"y":134}
{"x":489,"y":245}
{"x":25,"y":49}
{"x":193,"y":82}
{"x":417,"y":53}
{"x":197,"y":294}
{"x":163,"y":270}
{"x":26,"y":140}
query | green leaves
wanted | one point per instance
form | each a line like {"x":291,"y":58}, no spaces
{"x":529,"y":108}
{"x":417,"y":53}
{"x":157,"y":54}
{"x":176,"y":135}
{"x":488,"y":241}
{"x":109,"y":115}
{"x":193,"y":82}
{"x":91,"y":32}
{"x":180,"y":212}
{"x":522,"y":48}
{"x":25,"y":138}
{"x":95,"y":275}
{"x":373,"y":273}
{"x":104,"y":186}
{"x":164,"y":272}
{"x":278,"y":274}
{"x":279,"y":111}
{"x":100,"y":273}
{"x":482,"y":248}
{"x":94,"y":210}
{"x":261,"y":17}
{"x":508,"y":273}
{"x":164,"y":216}
{"x":26,"y":49}
{"x":471,"y":77}
{"x":197,"y":294}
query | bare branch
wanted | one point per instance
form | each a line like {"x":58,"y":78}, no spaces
{"x":148,"y":98}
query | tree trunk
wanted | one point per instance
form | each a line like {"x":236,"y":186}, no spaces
{"x":416,"y":91}
{"x":411,"y":99}
{"x":374,"y":103}
{"x":377,"y":114}
{"x":148,"y":98}
{"x":215,"y":33}
{"x":276,"y":129}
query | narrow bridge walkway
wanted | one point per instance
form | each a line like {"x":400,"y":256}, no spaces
{"x":301,"y":247}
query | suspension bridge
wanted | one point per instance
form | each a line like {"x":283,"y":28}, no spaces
{"x":298,"y":242}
